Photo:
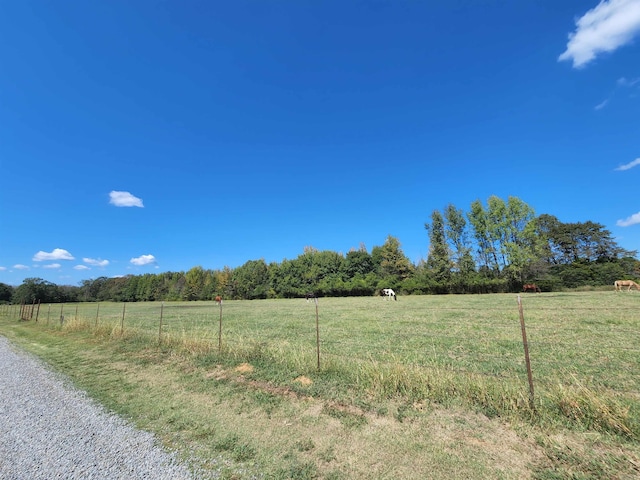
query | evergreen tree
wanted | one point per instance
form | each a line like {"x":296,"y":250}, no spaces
{"x":439,"y":262}
{"x":394,"y":265}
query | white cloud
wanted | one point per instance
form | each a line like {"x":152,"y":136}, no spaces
{"x":632,"y":220}
{"x":57,"y":254}
{"x":124,"y":199}
{"x":602,"y":104}
{"x":53,"y":265}
{"x":96,"y":262}
{"x":81,"y":267}
{"x":20,"y":267}
{"x":629,"y":165}
{"x":608,"y":26}
{"x":143,"y":260}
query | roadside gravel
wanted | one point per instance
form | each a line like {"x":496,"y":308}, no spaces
{"x":48,"y":429}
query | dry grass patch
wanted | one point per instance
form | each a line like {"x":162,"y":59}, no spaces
{"x":461,"y":431}
{"x":303,"y":380}
{"x":244,"y":368}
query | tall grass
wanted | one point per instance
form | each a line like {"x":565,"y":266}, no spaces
{"x":444,"y":349}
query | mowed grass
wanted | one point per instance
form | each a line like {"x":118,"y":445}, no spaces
{"x":386,"y":371}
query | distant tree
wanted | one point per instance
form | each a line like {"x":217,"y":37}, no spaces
{"x":520,"y":241}
{"x":439,"y":262}
{"x":129,"y":292}
{"x":37,"y":290}
{"x":285,"y":279}
{"x":92,"y":290}
{"x":357,"y":263}
{"x":211,"y":285}
{"x":394,"y":265}
{"x":194,"y":284}
{"x":482,"y":231}
{"x":506,"y":236}
{"x":573,"y":242}
{"x":6,"y":293}
{"x":252,"y":280}
{"x":458,"y":239}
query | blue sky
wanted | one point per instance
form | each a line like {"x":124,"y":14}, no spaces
{"x":149,"y":136}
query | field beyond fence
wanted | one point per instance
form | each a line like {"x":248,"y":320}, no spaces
{"x":583,"y":346}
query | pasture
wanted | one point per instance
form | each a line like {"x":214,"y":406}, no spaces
{"x":405,"y":360}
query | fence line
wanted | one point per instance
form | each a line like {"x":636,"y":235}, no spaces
{"x":501,"y":329}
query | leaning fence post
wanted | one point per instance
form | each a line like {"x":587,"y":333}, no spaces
{"x":61,"y":314}
{"x":526,"y":354}
{"x":124,"y":305}
{"x":97,"y":313}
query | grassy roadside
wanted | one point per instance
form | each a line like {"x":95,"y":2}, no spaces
{"x":305,"y":426}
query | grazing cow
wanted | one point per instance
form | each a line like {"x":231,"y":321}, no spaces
{"x":618,"y":284}
{"x":311,"y":295}
{"x":387,"y":293}
{"x":218,"y":299}
{"x":531,"y":287}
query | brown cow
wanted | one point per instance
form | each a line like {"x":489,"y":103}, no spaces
{"x":531,"y":287}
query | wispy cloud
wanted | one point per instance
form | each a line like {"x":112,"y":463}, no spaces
{"x":52,"y":266}
{"x":124,"y":199}
{"x":81,"y":267}
{"x":2,"y":269}
{"x":632,"y":220}
{"x":57,"y":254}
{"x":605,"y":28}
{"x":20,"y":267}
{"x":96,"y":262}
{"x":629,"y":165}
{"x":143,"y":260}
{"x":602,"y":104}
{"x":625,"y":82}
{"x":633,"y":85}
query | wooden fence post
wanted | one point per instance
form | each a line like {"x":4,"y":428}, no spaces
{"x":160,"y":328}
{"x":526,"y":354}
{"x":220,"y":329}
{"x":317,"y":332}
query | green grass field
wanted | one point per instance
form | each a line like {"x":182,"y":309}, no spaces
{"x":382,"y":362}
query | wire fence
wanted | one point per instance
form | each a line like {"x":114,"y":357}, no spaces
{"x":590,"y":337}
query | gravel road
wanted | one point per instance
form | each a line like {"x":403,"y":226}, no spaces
{"x":48,"y":429}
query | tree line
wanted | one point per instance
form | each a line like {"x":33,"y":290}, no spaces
{"x":492,"y":248}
